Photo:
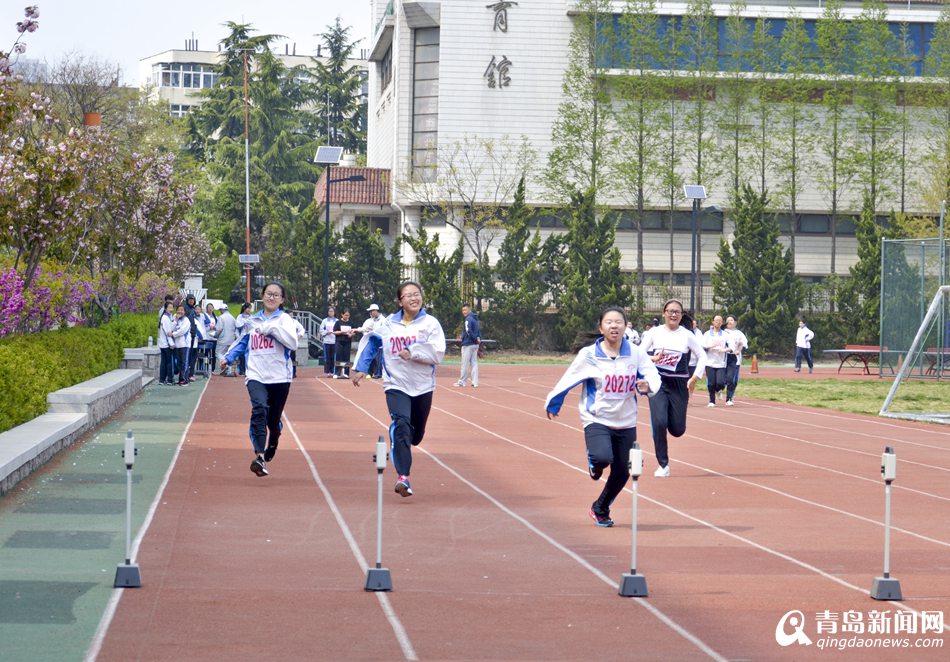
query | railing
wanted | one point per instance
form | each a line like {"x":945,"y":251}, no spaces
{"x":389,"y":12}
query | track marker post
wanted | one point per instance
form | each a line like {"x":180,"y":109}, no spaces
{"x":632,"y":584}
{"x":127,"y":574}
{"x":378,"y":578}
{"x":887,"y":587}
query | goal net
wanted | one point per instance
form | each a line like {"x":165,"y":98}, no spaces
{"x":927,"y":357}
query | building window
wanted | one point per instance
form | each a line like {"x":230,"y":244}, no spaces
{"x":425,"y":104}
{"x":179,"y":109}
{"x":385,"y":68}
{"x":184,"y":75}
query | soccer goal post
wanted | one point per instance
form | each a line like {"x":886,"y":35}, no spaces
{"x":928,"y":356}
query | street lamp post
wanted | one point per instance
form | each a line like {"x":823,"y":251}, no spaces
{"x":696,"y":193}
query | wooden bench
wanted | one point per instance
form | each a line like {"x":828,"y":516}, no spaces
{"x":857,"y":356}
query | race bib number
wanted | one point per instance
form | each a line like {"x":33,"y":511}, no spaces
{"x":262,"y":344}
{"x":669,"y":359}
{"x":619,"y":387}
{"x":399,"y":343}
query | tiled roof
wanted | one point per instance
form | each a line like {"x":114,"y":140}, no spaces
{"x":374,"y":190}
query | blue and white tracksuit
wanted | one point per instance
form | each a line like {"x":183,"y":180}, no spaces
{"x":408,"y":383}
{"x":266,"y":348}
{"x":608,"y":408}
{"x":668,"y":407}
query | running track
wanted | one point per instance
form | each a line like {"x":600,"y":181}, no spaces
{"x":769,"y":508}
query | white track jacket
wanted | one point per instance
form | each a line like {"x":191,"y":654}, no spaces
{"x":267,"y":346}
{"x":675,"y":345}
{"x":424,"y":339}
{"x":609,"y":395}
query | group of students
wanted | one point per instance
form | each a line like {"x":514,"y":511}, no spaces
{"x":410,"y":343}
{"x":663,"y":364}
{"x":184,"y":332}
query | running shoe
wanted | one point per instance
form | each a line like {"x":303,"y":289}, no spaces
{"x":271,"y":450}
{"x":259,"y":466}
{"x":662,"y":472}
{"x":711,"y":404}
{"x":402,"y":486}
{"x":460,"y":384}
{"x":595,"y":472}
{"x":730,"y":403}
{"x":600,"y":520}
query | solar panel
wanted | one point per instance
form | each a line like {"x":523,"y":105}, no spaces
{"x":328,"y":154}
{"x":695,"y":191}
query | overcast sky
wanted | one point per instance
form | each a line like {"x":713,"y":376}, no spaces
{"x":125,"y":31}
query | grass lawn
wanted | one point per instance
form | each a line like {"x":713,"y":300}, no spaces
{"x":858,"y":396}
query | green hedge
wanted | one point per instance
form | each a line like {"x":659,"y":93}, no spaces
{"x":35,"y":365}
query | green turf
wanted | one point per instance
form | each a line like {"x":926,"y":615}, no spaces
{"x":858,"y":396}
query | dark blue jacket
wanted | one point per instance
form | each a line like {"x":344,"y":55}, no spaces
{"x":470,"y":331}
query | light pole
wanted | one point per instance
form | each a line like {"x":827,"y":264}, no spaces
{"x":696,"y":193}
{"x":330,"y":156}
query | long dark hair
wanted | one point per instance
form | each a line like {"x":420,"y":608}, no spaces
{"x":587,"y":337}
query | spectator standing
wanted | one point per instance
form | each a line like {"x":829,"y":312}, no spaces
{"x":227,"y":334}
{"x":166,"y":343}
{"x":803,"y":346}
{"x":631,"y":334}
{"x":471,"y":338}
{"x":670,"y":346}
{"x":328,"y":338}
{"x":191,"y":312}
{"x":735,"y":344}
{"x":343,"y":331}
{"x":610,"y":371}
{"x":271,"y":338}
{"x":240,"y":330}
{"x":714,"y":341}
{"x":370,"y":325}
{"x":182,"y":336}
{"x":412,"y":344}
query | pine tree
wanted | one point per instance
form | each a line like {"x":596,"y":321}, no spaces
{"x":755,"y":279}
{"x":340,"y":117}
{"x":439,"y":276}
{"x":591,"y":276}
{"x":519,"y":299}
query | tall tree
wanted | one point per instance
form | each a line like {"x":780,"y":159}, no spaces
{"x":670,"y":175}
{"x":937,"y":67}
{"x":582,"y":131}
{"x":733,"y":121}
{"x":756,"y":279}
{"x":518,"y":300}
{"x":340,"y":117}
{"x":794,"y":137}
{"x":763,"y":65}
{"x":700,"y":55}
{"x":591,"y":275}
{"x":438,"y":275}
{"x":832,"y":36}
{"x":640,"y":146}
{"x":876,"y":69}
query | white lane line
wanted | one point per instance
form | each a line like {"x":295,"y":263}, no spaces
{"x":96,"y":645}
{"x":902,"y":488}
{"x":398,"y":629}
{"x":672,"y":509}
{"x":683,"y":632}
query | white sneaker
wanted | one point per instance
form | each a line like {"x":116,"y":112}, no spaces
{"x":711,"y":404}
{"x":474,"y":385}
{"x":461,"y":384}
{"x":729,"y":403}
{"x":662,"y":472}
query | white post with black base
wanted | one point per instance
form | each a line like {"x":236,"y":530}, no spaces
{"x":886,"y":587}
{"x":127,"y":574}
{"x":378,"y":578}
{"x":632,"y":584}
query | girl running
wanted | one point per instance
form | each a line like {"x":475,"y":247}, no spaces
{"x":271,"y":337}
{"x":411,"y":343}
{"x":612,"y":371}
{"x":671,"y":346}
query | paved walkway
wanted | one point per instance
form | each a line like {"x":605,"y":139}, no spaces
{"x":62,"y":531}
